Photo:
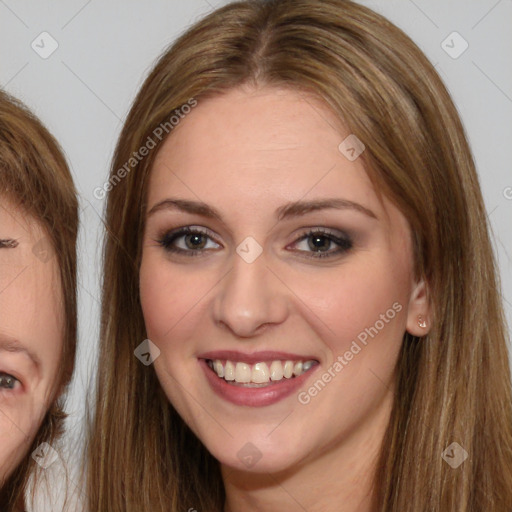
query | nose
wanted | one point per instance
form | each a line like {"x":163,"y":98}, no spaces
{"x":249,"y":298}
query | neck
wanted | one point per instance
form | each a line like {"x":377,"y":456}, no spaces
{"x":340,"y":478}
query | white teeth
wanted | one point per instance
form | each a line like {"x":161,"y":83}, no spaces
{"x":260,"y":373}
{"x":306,"y":366}
{"x":229,"y":371}
{"x":276,"y":370}
{"x":219,"y":369}
{"x":288,"y":369}
{"x":243,"y":372}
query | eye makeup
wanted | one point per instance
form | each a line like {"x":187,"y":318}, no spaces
{"x":191,"y":235}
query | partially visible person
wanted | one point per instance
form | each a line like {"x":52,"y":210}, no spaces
{"x":38,"y":310}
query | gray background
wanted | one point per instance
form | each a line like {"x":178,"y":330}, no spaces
{"x":83,"y":91}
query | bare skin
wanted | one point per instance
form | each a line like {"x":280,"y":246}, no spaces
{"x":31,"y":327}
{"x":246,"y":154}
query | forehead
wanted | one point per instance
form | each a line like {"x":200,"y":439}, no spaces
{"x":31,"y":296}
{"x":258,"y":148}
{"x":257,"y":121}
{"x":15,"y":222}
{"x":25,"y":245}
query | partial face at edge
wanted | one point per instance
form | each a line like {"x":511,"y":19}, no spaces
{"x":31,"y":332}
{"x":334,"y":286}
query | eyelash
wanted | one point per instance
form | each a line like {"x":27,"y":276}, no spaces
{"x":166,"y":241}
{"x":4,"y":377}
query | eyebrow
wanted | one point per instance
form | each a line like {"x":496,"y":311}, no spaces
{"x":9,"y":344}
{"x":8,"y":243}
{"x":293,"y":209}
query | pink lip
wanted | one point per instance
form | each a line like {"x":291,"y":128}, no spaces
{"x":254,"y":397}
{"x":255,"y":357}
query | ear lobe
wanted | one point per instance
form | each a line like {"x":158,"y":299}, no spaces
{"x":418,"y":312}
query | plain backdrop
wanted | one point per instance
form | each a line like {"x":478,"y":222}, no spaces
{"x":102,"y":50}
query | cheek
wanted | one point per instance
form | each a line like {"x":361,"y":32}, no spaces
{"x":19,"y":422}
{"x":171,"y":306}
{"x":357,"y":302}
{"x":156,"y":305}
{"x":32,"y":310}
{"x":158,"y":297}
{"x":169,"y":297}
{"x":13,"y":447}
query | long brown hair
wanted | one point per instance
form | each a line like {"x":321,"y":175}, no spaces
{"x":452,"y":385}
{"x":34,"y":177}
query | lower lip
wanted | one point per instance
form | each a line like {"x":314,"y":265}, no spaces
{"x":254,"y":397}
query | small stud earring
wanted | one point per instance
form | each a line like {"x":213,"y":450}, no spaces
{"x":422,"y":322}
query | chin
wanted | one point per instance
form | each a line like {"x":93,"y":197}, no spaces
{"x":253,"y":457}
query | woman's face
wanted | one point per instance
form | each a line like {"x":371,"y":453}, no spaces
{"x":289,"y":260}
{"x":31,"y":327}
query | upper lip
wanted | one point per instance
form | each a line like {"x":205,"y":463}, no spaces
{"x":255,"y":357}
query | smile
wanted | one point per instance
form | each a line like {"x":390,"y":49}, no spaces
{"x":258,"y":379}
{"x":259,"y":374}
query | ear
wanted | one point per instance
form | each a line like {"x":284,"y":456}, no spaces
{"x":418,"y":312}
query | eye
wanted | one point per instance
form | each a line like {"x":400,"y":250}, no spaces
{"x":7,"y":381}
{"x":189,"y":241}
{"x":318,"y":241}
{"x":192,"y":241}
